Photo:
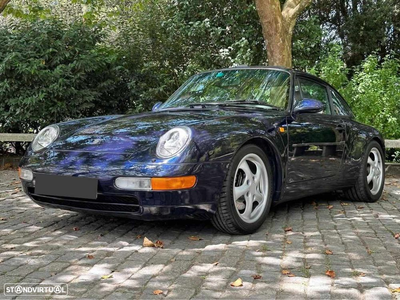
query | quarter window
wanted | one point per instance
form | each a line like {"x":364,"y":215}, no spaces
{"x":340,"y":107}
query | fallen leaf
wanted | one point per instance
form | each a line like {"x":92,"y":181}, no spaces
{"x":159,"y":244}
{"x":330,"y":273}
{"x":16,"y":191}
{"x":291,"y":275}
{"x":396,"y":290}
{"x":237,"y":283}
{"x":256,"y":276}
{"x":75,"y":228}
{"x":90,"y":256}
{"x":328,"y":252}
{"x":397,"y":236}
{"x":344,"y":204}
{"x":341,"y":212}
{"x":360,"y":207}
{"x":139,"y":236}
{"x":286,"y":272}
{"x":287,"y":229}
{"x":288,"y":242}
{"x":216,"y":263}
{"x":362,"y":274}
{"x":158,"y":292}
{"x":195,"y":238}
{"x":106,"y":276}
{"x":330,"y":207}
{"x":147,"y":243}
{"x":15,"y":182}
{"x":7,"y":166}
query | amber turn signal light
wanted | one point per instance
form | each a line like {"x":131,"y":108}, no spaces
{"x":173,"y":183}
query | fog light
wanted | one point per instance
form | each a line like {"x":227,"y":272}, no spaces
{"x":133,"y":183}
{"x":25,"y":174}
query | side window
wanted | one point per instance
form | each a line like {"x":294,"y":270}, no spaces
{"x":339,"y":106}
{"x":313,"y":90}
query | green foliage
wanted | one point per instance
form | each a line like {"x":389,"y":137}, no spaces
{"x":50,"y":72}
{"x":69,"y":59}
{"x":361,"y":27}
{"x":307,"y":39}
{"x":396,"y":157}
{"x":332,"y":69}
{"x":373,"y":91}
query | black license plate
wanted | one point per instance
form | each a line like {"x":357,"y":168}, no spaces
{"x":66,"y":186}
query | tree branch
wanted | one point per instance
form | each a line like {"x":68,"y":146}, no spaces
{"x":293,"y":8}
{"x":3,"y":4}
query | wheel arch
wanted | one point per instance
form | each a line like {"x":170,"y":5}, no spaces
{"x":380,"y":142}
{"x":275,"y":161}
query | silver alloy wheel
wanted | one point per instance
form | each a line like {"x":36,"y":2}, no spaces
{"x":250,"y":188}
{"x":374,"y":171}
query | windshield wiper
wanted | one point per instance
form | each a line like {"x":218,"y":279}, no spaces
{"x":233,"y":103}
{"x":249,"y":101}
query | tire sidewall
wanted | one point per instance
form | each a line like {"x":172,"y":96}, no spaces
{"x":378,"y":195}
{"x":248,"y":227}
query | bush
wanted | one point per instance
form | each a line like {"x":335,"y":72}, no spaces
{"x":375,"y":95}
{"x":373,"y":92}
{"x":50,"y":72}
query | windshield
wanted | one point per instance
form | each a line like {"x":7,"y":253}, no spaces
{"x":261,"y":87}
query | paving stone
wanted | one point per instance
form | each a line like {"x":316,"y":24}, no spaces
{"x":40,"y":246}
{"x":181,"y":293}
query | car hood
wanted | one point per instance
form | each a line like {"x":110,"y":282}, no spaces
{"x":134,"y":138}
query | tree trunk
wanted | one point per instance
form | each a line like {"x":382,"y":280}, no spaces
{"x":3,"y":4}
{"x":277,"y":26}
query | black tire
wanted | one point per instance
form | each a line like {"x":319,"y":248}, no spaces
{"x":361,"y":190}
{"x":227,"y":218}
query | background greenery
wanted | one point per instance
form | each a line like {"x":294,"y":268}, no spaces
{"x":69,"y":59}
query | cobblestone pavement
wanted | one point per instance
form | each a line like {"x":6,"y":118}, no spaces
{"x":52,"y":246}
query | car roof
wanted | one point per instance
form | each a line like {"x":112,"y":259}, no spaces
{"x":289,"y":70}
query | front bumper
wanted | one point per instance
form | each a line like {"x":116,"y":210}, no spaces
{"x":198,"y":202}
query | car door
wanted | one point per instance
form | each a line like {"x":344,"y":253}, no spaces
{"x":342,"y":111}
{"x":316,"y":142}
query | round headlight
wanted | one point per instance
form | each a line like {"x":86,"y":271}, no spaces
{"x":173,"y":142}
{"x":45,"y":137}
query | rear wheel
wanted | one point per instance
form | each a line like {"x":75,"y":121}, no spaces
{"x":247,"y":193}
{"x":370,"y":182}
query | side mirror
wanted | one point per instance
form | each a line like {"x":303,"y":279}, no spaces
{"x":309,"y":106}
{"x":156,"y":106}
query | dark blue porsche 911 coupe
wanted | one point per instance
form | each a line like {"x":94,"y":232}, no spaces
{"x":225,"y":146}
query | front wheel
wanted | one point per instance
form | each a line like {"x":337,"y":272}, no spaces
{"x":370,"y":182}
{"x":246,"y":195}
